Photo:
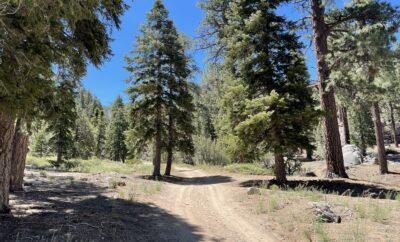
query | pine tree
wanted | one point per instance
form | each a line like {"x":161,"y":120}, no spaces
{"x":363,"y":53}
{"x":271,"y":107}
{"x":100,"y":134}
{"x":40,"y":143}
{"x":84,"y":139}
{"x":115,"y":137}
{"x":36,"y":39}
{"x":180,"y":100}
{"x":63,"y":122}
{"x":162,"y":101}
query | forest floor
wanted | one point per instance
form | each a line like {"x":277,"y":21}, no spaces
{"x":199,"y":205}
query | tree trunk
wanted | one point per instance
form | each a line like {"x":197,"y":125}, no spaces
{"x":333,"y":149}
{"x":345,"y":122}
{"x":170,"y":146}
{"x":59,"y":155}
{"x":379,"y":138}
{"x":393,"y":126}
{"x":157,"y":145}
{"x":280,"y":171}
{"x":309,"y":151}
{"x":6,"y":140}
{"x":20,"y":150}
{"x":157,"y":156}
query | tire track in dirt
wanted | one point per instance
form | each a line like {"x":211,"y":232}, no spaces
{"x":204,"y":203}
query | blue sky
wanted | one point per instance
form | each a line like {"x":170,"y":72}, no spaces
{"x":108,"y":81}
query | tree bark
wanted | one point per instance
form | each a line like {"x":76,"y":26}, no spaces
{"x":379,"y":138}
{"x":20,"y":150}
{"x":333,"y":149}
{"x":393,"y":126}
{"x":170,"y":146}
{"x":59,"y":155}
{"x":280,"y":171}
{"x":157,"y":156}
{"x":344,"y":120}
{"x":309,"y":151}
{"x":157,"y":145}
{"x":6,"y":140}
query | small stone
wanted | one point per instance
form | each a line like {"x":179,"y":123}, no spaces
{"x":253,"y":191}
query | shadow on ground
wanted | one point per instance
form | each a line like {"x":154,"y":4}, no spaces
{"x":340,"y":187}
{"x":67,"y":210}
{"x":200,"y":181}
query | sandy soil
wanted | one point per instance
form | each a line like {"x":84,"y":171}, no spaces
{"x":195,"y":206}
{"x":210,"y":203}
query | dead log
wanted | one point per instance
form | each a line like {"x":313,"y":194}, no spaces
{"x":324,"y":213}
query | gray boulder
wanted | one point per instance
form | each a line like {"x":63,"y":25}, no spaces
{"x":352,"y":155}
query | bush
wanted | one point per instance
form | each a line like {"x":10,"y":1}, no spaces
{"x":133,"y":162}
{"x":209,"y":152}
{"x":293,"y":165}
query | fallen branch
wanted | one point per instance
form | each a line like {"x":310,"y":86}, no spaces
{"x":324,"y":213}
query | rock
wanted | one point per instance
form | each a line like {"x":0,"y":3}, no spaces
{"x":324,"y":213}
{"x":371,"y":158}
{"x":352,"y":155}
{"x":253,"y":191}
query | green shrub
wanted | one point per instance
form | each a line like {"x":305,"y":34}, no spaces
{"x":133,"y":162}
{"x":209,"y":152}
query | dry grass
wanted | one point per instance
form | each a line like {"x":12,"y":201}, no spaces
{"x":363,"y":219}
{"x":93,"y":165}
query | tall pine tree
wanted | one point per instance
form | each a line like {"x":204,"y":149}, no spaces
{"x":361,"y":53}
{"x":271,"y":107}
{"x":63,"y":122}
{"x":162,"y":101}
{"x":100,"y":133}
{"x":115,"y":137}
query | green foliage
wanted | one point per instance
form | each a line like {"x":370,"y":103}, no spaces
{"x":93,"y":165}
{"x":249,"y":168}
{"x":40,"y":142}
{"x":83,"y":136}
{"x":160,"y":92}
{"x":209,"y":152}
{"x":362,"y":127}
{"x":63,"y":122}
{"x":37,"y":39}
{"x":115,"y":142}
{"x":207,"y":101}
{"x":91,"y":126}
{"x":100,"y":134}
{"x":212,"y":32}
{"x":270,"y":105}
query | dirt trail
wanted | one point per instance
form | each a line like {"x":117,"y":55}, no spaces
{"x":207,"y":202}
{"x":196,"y":206}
